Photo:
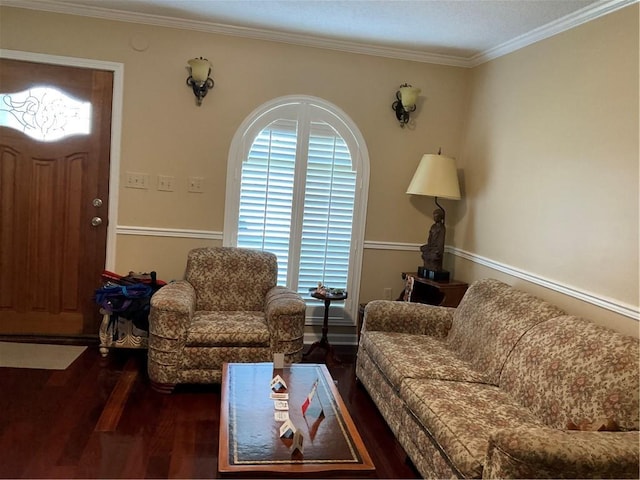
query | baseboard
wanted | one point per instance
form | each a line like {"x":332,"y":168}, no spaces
{"x":84,"y":339}
{"x":334,"y":339}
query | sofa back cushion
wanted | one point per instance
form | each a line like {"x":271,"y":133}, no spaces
{"x":574,"y":374}
{"x":231,"y":279}
{"x":490,"y":320}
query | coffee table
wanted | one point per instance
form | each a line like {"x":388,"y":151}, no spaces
{"x":250,"y":443}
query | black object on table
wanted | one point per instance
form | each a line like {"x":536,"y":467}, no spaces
{"x":327,"y":297}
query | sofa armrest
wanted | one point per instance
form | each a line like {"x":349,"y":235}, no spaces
{"x":406,"y":317}
{"x":550,"y":453}
{"x":171,"y":308}
{"x":285,"y":312}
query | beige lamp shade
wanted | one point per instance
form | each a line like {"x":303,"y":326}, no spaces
{"x":200,"y":68}
{"x":436,"y":176}
{"x":409,"y":96}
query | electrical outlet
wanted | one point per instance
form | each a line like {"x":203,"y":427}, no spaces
{"x":137,"y":180}
{"x":195,"y":184}
{"x":388,"y":295}
{"x":166,"y":183}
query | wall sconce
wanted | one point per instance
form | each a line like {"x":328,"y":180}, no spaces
{"x":406,"y":98}
{"x":199,"y":79}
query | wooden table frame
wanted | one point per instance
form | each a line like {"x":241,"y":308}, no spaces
{"x":297,"y":466}
{"x":323,"y":343}
{"x":452,"y":291}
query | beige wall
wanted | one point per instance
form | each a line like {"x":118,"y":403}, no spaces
{"x":165,"y":133}
{"x":547,"y":138}
{"x":550,"y":161}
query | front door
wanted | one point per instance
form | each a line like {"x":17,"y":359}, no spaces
{"x":55,"y":133}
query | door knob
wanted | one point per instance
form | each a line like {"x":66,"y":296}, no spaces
{"x":96,"y":221}
{"x":97,"y":202}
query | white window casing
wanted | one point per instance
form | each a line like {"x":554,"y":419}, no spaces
{"x":311,"y":144}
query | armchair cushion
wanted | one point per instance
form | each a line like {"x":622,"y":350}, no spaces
{"x":227,"y":278}
{"x":208,"y":329}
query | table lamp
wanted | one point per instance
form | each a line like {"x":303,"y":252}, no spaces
{"x":436,"y":176}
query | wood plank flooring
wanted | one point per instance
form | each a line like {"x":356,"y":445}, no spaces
{"x":100,"y":419}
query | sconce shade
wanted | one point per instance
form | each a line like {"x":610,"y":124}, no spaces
{"x":199,"y":80}
{"x":200,"y":68}
{"x":409,"y":96}
{"x":405,"y":103}
{"x":436,"y":176}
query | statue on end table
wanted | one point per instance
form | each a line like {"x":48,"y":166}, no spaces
{"x":433,"y":250}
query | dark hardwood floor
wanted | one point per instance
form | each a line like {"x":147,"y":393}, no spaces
{"x":100,"y":419}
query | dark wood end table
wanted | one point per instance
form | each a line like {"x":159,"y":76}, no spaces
{"x":323,"y":343}
{"x":445,"y":294}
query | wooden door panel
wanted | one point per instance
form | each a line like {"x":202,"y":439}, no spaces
{"x":9,"y":234}
{"x":48,"y":211}
{"x":51,"y":257}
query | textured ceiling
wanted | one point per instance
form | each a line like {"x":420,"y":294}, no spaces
{"x":459,"y":29}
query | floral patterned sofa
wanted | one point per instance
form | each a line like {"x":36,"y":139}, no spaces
{"x":227,"y":309}
{"x":504,"y":386}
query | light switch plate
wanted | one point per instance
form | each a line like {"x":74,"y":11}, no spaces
{"x":166,"y":183}
{"x":195,"y":184}
{"x":137,"y":180}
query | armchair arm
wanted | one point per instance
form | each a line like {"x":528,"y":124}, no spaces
{"x":285,"y":313}
{"x":551,"y":453}
{"x":406,"y":317}
{"x":171,"y":309}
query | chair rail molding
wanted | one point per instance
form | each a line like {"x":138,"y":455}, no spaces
{"x":168,"y":232}
{"x":621,"y":308}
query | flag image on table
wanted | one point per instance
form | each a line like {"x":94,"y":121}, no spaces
{"x":310,"y":400}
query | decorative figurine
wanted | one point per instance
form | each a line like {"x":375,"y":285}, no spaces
{"x":433,"y":250}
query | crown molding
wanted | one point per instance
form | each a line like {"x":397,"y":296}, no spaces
{"x":563,"y":24}
{"x":54,"y":6}
{"x":570,"y":21}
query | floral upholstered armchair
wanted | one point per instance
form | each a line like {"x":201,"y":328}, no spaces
{"x":227,"y":309}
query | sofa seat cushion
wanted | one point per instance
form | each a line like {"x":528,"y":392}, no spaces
{"x":405,"y":355}
{"x":209,"y":329}
{"x":461,"y":416}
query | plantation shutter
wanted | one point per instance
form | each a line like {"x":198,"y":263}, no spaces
{"x":328,"y":211}
{"x":266,"y":193}
{"x":321,"y":237}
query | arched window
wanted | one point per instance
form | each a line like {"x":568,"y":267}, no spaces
{"x":297,"y":184}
